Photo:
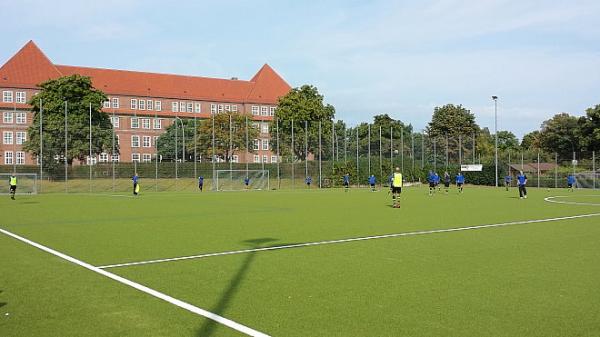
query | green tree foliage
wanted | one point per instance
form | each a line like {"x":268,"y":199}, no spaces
{"x":230,"y":130}
{"x":452,"y":120}
{"x":590,"y":128}
{"x":507,"y":141}
{"x":167,"y":141}
{"x":561,"y":134}
{"x":304,"y":108}
{"x":531,"y":141}
{"x":389,"y":127}
{"x":79,"y":94}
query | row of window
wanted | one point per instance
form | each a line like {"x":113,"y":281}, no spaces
{"x":19,"y":97}
{"x":9,"y":117}
{"x":265,"y":159}
{"x":186,"y":107}
{"x":220,"y":108}
{"x":146,"y":141}
{"x":263,"y":110}
{"x":7,"y":137}
{"x":258,"y":142}
{"x":143,"y":104}
{"x":263,"y":127}
{"x":9,"y":158}
{"x":136,"y":122}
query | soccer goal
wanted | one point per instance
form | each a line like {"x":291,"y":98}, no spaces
{"x":26,"y":183}
{"x":235,"y":180}
{"x":587,"y":179}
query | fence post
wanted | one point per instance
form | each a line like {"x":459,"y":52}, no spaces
{"x":369,"y":147}
{"x":555,"y":170}
{"x":41,"y":156}
{"x":538,"y":169}
{"x":278,"y":160}
{"x":90,"y":155}
{"x":66,"y":151}
{"x":357,"y":162}
{"x":594,"y":168}
{"x":292,"y":154}
{"x":320,"y":154}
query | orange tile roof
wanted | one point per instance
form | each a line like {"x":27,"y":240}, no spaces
{"x":29,"y":67}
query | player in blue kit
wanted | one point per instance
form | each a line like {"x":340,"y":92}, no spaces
{"x":571,"y":182}
{"x":247,"y":182}
{"x":136,"y":186}
{"x":346,"y":181}
{"x":522,"y":181}
{"x":446,"y":181}
{"x":460,"y":181}
{"x":308,"y":181}
{"x":431,"y":181}
{"x":372,"y":182}
{"x":507,"y":181}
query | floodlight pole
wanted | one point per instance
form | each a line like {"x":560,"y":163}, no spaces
{"x":320,"y":154}
{"x":495,"y":98}
{"x":41,"y":145}
{"x":66,"y":150}
{"x":305,"y":149}
{"x":90,"y":147}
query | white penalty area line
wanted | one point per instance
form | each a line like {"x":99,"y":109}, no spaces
{"x":329,"y":242}
{"x":219,"y":319}
{"x":552,"y":200}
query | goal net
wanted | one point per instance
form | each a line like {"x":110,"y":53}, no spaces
{"x":235,"y":180}
{"x":587,"y":179}
{"x":26,"y":183}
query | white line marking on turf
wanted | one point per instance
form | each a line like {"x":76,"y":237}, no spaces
{"x":219,"y":319}
{"x":551,"y":199}
{"x":328,"y":242}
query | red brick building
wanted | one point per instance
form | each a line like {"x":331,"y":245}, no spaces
{"x":141,"y":104}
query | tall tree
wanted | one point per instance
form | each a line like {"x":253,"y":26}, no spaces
{"x":590,"y":128}
{"x":531,"y":141}
{"x":78,"y":93}
{"x":507,"y":141}
{"x":452,"y":120}
{"x":561,"y":134}
{"x":387,"y":125}
{"x":168,"y":141}
{"x":300,"y":105}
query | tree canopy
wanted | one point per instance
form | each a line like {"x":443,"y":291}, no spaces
{"x":452,"y":120}
{"x":76,"y":94}
{"x":561,"y":134}
{"x":239,"y":123}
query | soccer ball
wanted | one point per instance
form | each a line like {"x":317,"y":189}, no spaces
{"x":395,"y":151}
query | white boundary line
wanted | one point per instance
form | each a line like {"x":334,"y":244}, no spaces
{"x":551,"y":199}
{"x":219,"y":319}
{"x":328,"y":242}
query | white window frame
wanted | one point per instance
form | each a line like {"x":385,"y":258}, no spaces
{"x":91,"y":160}
{"x":234,"y":108}
{"x":213,"y":109}
{"x":220,"y":108}
{"x":157,"y":105}
{"x":133,"y":104}
{"x":146,"y":123}
{"x":135,"y":123}
{"x":21,"y":118}
{"x":135,"y":157}
{"x":115,"y":158}
{"x":7,"y":96}
{"x":20,"y":158}
{"x":190,"y":107}
{"x":115,"y":121}
{"x":256,"y":144}
{"x":106,"y":104}
{"x":227,"y":108}
{"x":7,"y":138}
{"x":8,"y":118}
{"x":117,"y":140}
{"x":146,"y":157}
{"x":265,"y":159}
{"x":157,"y":124}
{"x":149,"y":105}
{"x":146,"y":141}
{"x":272,"y":111}
{"x":135,"y":141}
{"x":264,"y":110}
{"x":115,"y":102}
{"x":21,"y":97}
{"x":174,"y":106}
{"x":255,"y":110}
{"x":264,"y":128}
{"x":256,"y":158}
{"x":103,"y":157}
{"x":142,"y":105}
{"x":8,"y":158}
{"x":20,"y":137}
{"x":274,"y":159}
{"x":265,"y":145}
{"x":197,"y":107}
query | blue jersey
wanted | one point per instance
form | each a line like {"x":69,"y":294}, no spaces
{"x":436,"y":178}
{"x":571,"y":180}
{"x":372,"y":180}
{"x":346,"y":179}
{"x":508,"y":179}
{"x":200,"y":180}
{"x":246,"y":181}
{"x":460,"y":179}
{"x":431,"y":178}
{"x":308,"y":180}
{"x":135,"y":179}
{"x":447,"y":178}
{"x":522,"y":179}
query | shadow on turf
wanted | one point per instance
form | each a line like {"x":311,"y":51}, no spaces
{"x":207,"y":329}
{"x":2,"y":303}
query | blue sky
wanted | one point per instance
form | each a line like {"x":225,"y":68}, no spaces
{"x":367,"y":57}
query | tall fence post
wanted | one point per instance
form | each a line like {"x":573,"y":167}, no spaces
{"x":41,"y":156}
{"x":538,"y":169}
{"x":320,"y":154}
{"x":66,"y":150}
{"x":380,"y":159}
{"x":278,"y":160}
{"x":357,"y":162}
{"x":555,"y":170}
{"x":305,"y":149}
{"x":90,"y":154}
{"x":594,"y":169}
{"x":369,"y":148}
{"x":292,"y":155}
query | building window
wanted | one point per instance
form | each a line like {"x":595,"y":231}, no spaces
{"x":146,"y":141}
{"x":135,"y":157}
{"x":142,"y":105}
{"x":145,"y":123}
{"x":175,"y":107}
{"x":135,"y":141}
{"x":21,"y":117}
{"x":146,"y":157}
{"x":265,"y":144}
{"x":234,"y":108}
{"x":8,"y":118}
{"x":103,"y":158}
{"x":255,"y":110}
{"x":21,"y":98}
{"x":273,"y":159}
{"x":157,"y":123}
{"x":90,"y":160}
{"x":149,"y":105}
{"x":115,"y":158}
{"x":20,"y":158}
{"x":264,"y":128}
{"x":106,"y":104}
{"x":265,"y":159}
{"x":213,"y":109}
{"x":115,"y":102}
{"x":7,"y":96}
{"x":157,"y":105}
{"x":227,"y":107}
{"x":264,"y":110}
{"x":272,"y":111}
{"x":235,"y":158}
{"x":21,"y":137}
{"x":256,"y":144}
{"x":7,"y":137}
{"x":8,"y":158}
{"x":190,"y":107}
{"x":256,"y":158}
{"x":133,"y":104}
{"x":115,"y":121}
{"x":117,"y":140}
{"x":197,"y":107}
{"x":135,"y":122}
{"x":221,"y":108}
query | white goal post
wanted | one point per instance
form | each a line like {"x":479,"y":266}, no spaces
{"x":235,"y":180}
{"x":26,"y":183}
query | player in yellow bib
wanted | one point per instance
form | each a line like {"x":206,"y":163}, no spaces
{"x":396,"y":188}
{"x":12,"y":181}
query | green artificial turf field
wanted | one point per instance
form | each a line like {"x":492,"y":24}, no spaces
{"x":519,"y":279}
